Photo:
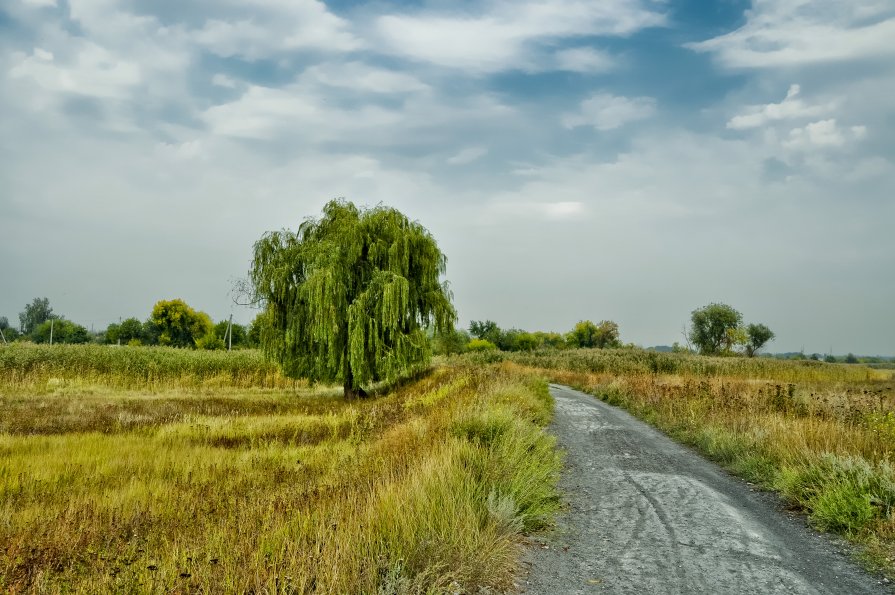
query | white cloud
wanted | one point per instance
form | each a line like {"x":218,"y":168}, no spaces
{"x":306,"y":114}
{"x":468,"y":155}
{"x":361,"y":77}
{"x":791,"y":107}
{"x":40,"y":2}
{"x":782,"y":33}
{"x":276,"y":26}
{"x":583,"y":59}
{"x":823,"y":134}
{"x":43,"y":54}
{"x":505,"y":35}
{"x":122,"y":63}
{"x":607,"y":112}
{"x":510,"y":210}
{"x":266,"y":112}
{"x":222,"y":80}
{"x":91,"y":70}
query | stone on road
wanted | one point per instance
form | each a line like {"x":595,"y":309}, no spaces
{"x":647,"y":515}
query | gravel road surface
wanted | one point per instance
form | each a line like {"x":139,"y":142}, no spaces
{"x":647,"y":515}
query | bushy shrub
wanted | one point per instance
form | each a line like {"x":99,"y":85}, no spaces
{"x":478,"y":345}
{"x":63,"y":331}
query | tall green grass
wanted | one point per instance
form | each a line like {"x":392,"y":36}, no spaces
{"x":36,"y":366}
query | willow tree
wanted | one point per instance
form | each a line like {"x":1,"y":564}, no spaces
{"x":347,"y":297}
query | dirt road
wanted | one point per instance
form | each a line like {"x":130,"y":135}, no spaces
{"x":646,"y":515}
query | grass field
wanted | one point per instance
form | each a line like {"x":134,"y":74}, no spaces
{"x":190,"y":478}
{"x":159,"y":470}
{"x":822,"y":435}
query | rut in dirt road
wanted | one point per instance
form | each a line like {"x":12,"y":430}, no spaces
{"x":646,"y":515}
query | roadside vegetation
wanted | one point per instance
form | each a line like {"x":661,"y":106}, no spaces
{"x":278,"y":490}
{"x":822,"y":435}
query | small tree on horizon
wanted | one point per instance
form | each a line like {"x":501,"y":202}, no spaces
{"x":713,"y":328}
{"x":588,"y":334}
{"x":176,"y":324}
{"x":758,"y":336}
{"x":35,"y":314}
{"x":485,"y":329}
{"x":348,"y":296}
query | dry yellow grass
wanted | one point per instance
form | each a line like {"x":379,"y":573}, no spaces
{"x":428,"y":488}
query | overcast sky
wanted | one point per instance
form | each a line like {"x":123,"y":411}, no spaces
{"x":575,"y":159}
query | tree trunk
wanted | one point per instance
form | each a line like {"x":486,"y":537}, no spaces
{"x":351,"y":391}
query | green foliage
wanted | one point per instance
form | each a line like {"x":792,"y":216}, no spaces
{"x":485,"y":329}
{"x":35,"y":314}
{"x":843,"y":494}
{"x":851,"y":359}
{"x":130,"y":329}
{"x":527,"y":341}
{"x":514,"y":339}
{"x":8,"y":333}
{"x":757,"y":336}
{"x":452,"y":342}
{"x":712,"y":326}
{"x":256,"y":329}
{"x":508,"y":340}
{"x":550,"y":340}
{"x":239,"y":332}
{"x":587,"y":334}
{"x":63,"y":331}
{"x":210,"y":342}
{"x":477,"y":345}
{"x":830,"y":358}
{"x":177,"y":325}
{"x":127,"y":331}
{"x":348,"y":295}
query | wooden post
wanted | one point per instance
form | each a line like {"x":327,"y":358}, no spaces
{"x":52,"y":320}
{"x":4,"y":337}
{"x":230,"y":334}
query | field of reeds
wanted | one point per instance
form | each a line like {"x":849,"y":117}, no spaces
{"x":640,"y":361}
{"x":33,"y":367}
{"x":821,"y":435}
{"x":192,"y":477}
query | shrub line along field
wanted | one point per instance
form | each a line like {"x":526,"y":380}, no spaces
{"x":184,"y":480}
{"x":821,"y":435}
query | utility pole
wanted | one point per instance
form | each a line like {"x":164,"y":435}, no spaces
{"x":52,"y":320}
{"x":230,"y":334}
{"x":4,"y":337}
{"x":119,"y":331}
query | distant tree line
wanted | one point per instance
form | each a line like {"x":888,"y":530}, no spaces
{"x":486,"y":335}
{"x":716,"y":329}
{"x":171,"y":323}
